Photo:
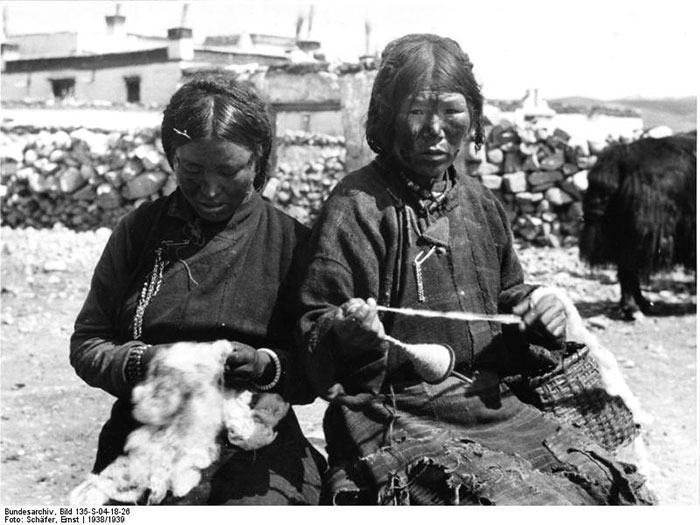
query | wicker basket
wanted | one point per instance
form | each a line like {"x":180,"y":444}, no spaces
{"x":573,"y":392}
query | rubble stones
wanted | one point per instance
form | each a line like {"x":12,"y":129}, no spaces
{"x":580,"y":180}
{"x":486,"y":168}
{"x":71,"y":180}
{"x":557,"y":196}
{"x":544,"y":179}
{"x":492,"y":182}
{"x":87,"y":178}
{"x":515,"y":182}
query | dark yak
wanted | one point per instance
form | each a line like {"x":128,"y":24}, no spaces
{"x":639,"y":212}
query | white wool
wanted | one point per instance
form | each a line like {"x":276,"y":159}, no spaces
{"x":183,"y":408}
{"x":612,"y":379}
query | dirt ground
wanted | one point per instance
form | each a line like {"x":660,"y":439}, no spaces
{"x":49,"y":419}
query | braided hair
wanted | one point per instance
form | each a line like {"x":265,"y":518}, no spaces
{"x":414,"y":60}
{"x":213,"y":105}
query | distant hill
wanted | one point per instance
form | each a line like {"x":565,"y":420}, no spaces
{"x":679,"y":114}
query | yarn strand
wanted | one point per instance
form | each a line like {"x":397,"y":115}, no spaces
{"x":457,"y":316}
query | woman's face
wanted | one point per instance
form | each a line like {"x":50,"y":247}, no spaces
{"x":430,"y":128}
{"x":215,"y":176}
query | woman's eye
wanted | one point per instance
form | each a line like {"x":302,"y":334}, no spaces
{"x":415,"y":111}
{"x":190,"y":170}
{"x":232,"y":172}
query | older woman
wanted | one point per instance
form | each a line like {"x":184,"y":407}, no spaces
{"x":408,"y":231}
{"x":210,"y":261}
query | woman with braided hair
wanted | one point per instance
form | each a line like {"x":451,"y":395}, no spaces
{"x":210,"y":261}
{"x":408,"y":232}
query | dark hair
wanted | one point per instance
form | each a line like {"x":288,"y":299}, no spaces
{"x":214,"y":105}
{"x":411,"y":61}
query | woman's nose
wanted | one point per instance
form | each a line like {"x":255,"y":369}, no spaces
{"x":433,"y":126}
{"x":209,"y":186}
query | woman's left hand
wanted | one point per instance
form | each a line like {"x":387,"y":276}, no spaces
{"x":548,"y":312}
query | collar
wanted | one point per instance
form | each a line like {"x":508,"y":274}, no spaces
{"x":422,"y":199}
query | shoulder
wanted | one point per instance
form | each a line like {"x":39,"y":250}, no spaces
{"x":474,"y":188}
{"x":362,"y":193}
{"x":146,"y":213}
{"x":281,"y":224}
{"x":359,"y":212}
{"x":364,"y":181}
{"x":476,"y":193}
{"x":477,"y":196}
{"x":138,"y":222}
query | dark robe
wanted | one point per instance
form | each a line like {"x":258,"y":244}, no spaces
{"x":397,"y":439}
{"x":232,"y":281}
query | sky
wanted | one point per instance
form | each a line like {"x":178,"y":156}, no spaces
{"x":603,"y":49}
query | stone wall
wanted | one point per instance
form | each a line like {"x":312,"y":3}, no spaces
{"x":85,"y":178}
{"x":539,"y":176}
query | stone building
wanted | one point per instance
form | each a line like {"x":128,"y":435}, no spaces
{"x":116,"y":66}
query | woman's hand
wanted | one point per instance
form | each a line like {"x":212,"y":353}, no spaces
{"x":246,"y":364}
{"x":547,"y":311}
{"x":357,"y":324}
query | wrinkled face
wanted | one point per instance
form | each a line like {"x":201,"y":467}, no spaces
{"x":430,"y":128}
{"x":215,"y":176}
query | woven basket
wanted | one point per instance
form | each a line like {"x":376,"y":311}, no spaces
{"x":573,"y":392}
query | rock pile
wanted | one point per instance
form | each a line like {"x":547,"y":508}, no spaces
{"x":539,"y":175}
{"x":80,"y":178}
{"x":308,"y":167}
{"x":85,"y":179}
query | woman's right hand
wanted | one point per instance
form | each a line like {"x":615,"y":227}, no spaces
{"x":357,"y":324}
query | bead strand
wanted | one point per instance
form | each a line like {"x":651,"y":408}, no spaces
{"x":148,"y":292}
{"x":278,"y":371}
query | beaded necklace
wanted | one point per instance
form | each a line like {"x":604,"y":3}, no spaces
{"x":196,"y":235}
{"x":148,"y":292}
{"x":433,"y":198}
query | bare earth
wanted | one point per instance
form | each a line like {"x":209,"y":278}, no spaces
{"x":49,"y":419}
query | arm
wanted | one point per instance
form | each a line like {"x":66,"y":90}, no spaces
{"x":345,"y":259}
{"x":96,"y":352}
{"x":544,"y":317}
{"x":513,"y":288}
{"x":294,"y":385}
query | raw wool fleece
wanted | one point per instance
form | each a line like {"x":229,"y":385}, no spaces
{"x":611,"y":377}
{"x":183,"y":407}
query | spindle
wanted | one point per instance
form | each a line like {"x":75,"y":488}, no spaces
{"x":433,"y":362}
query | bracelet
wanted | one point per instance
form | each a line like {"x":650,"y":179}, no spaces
{"x":134,"y":368}
{"x":278,"y":370}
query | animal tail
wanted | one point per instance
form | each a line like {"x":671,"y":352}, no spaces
{"x":596,"y":246}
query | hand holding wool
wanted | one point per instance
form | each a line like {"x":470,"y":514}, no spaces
{"x":357,"y":324}
{"x":543,"y":311}
{"x":246,"y":364}
{"x":182,"y":409}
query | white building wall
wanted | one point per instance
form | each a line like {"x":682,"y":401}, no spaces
{"x":158,"y":81}
{"x":599,"y":127}
{"x":595,"y":127}
{"x":46,"y":44}
{"x":326,"y":122}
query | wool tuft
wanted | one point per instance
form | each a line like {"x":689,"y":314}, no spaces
{"x":184,"y":410}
